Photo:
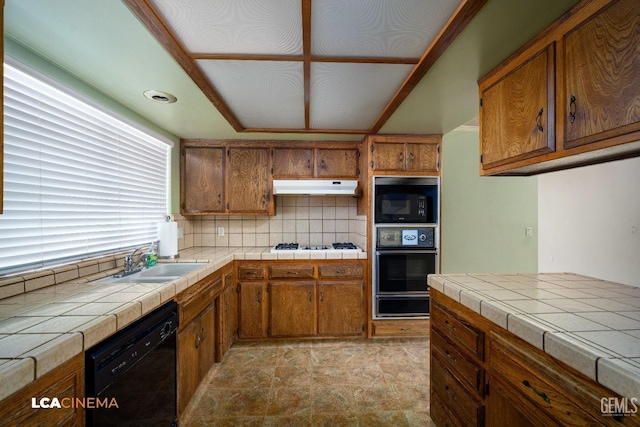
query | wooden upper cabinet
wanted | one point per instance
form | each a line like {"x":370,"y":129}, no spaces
{"x":202,"y":171}
{"x":601,"y":91}
{"x":569,"y":97}
{"x":315,"y":163}
{"x":337,"y":163}
{"x":399,"y":156}
{"x":293,"y":162}
{"x":516,"y":111}
{"x":249,"y":181}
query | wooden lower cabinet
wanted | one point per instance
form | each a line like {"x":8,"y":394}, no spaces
{"x":386,"y":328}
{"x":292,"y":310}
{"x":304,"y":299}
{"x":482,"y":374}
{"x":252,"y":305}
{"x":227,"y":310}
{"x":340,"y":308}
{"x":66,"y":381}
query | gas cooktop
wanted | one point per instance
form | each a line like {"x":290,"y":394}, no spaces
{"x":285,"y":247}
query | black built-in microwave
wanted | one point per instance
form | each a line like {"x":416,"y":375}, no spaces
{"x":406,"y":200}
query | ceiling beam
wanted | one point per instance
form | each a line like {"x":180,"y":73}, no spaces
{"x":156,"y":25}
{"x":458,"y":21}
{"x":306,"y":54}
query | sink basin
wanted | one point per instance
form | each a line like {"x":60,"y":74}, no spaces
{"x":160,"y":273}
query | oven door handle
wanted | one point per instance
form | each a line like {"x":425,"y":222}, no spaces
{"x":406,"y":251}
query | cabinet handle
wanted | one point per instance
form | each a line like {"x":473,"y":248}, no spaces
{"x":264,"y":199}
{"x":310,"y":296}
{"x":452,"y":394}
{"x":572,"y":109}
{"x":323,"y":165}
{"x":453,"y":358}
{"x":411,"y":157}
{"x":198,"y":340}
{"x":204,"y":334}
{"x":321,"y":296}
{"x":226,"y":305}
{"x":450,"y":325}
{"x":402,"y":157}
{"x":542,"y":395}
{"x":292,"y":273}
{"x":219,"y":198}
{"x":308,"y":164}
{"x":540,"y":128}
{"x":259,"y":297}
{"x":341,"y":272}
{"x":406,"y":329}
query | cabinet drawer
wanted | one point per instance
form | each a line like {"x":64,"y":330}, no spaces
{"x":466,"y":370}
{"x":546,"y":387}
{"x":458,"y":330}
{"x":400,"y":328}
{"x":440,"y":414}
{"x":455,"y":396}
{"x":291,"y":271}
{"x":191,"y":305}
{"x":356,"y":270}
{"x":248,"y":272}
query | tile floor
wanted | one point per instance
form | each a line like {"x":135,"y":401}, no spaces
{"x":317,"y":383}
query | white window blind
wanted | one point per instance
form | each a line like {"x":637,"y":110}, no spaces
{"x":77,"y":181}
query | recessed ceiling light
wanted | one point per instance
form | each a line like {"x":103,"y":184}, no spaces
{"x":161,"y":97}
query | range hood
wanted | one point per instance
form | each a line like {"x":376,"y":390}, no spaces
{"x":317,"y":187}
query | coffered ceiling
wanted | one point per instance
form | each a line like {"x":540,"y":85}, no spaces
{"x":327,"y":66}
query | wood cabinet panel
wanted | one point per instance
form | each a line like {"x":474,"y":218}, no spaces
{"x":602,"y":84}
{"x":249,"y":181}
{"x":458,"y":329}
{"x":252,"y":306}
{"x":340,"y":308}
{"x":337,"y":163}
{"x":457,"y":362}
{"x":293,"y":162}
{"x":66,"y":381}
{"x":188,"y":364}
{"x":229,"y":317}
{"x":207,"y":341}
{"x":203,"y":171}
{"x":400,"y":328}
{"x":292,"y":308}
{"x":517,"y":111}
{"x":423,"y":157}
{"x":291,"y":271}
{"x":250,"y":272}
{"x":454,"y":395}
{"x":336,"y":271}
{"x":388,"y":157}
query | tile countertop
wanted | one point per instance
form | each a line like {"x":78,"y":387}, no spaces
{"x":591,"y":325}
{"x":43,"y":328}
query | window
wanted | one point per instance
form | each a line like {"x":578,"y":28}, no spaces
{"x":78,"y":181}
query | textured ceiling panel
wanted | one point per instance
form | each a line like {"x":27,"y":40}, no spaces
{"x":351,"y":95}
{"x":262,"y":94}
{"x":389,"y":28}
{"x":236,"y":26}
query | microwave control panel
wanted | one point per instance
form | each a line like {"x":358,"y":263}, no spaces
{"x":423,"y":238}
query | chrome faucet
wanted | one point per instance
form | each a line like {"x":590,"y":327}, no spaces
{"x":131,"y":267}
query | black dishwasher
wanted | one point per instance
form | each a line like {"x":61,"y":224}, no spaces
{"x":136,"y":368}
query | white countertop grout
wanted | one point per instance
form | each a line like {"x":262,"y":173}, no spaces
{"x":591,"y":325}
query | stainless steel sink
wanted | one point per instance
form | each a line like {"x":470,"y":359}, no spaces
{"x":159,"y":273}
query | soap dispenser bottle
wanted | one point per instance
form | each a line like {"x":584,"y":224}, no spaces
{"x":152,"y":255}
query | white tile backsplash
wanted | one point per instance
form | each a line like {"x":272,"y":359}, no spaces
{"x":307,"y":220}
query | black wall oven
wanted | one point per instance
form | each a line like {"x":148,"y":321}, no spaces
{"x":404,"y":200}
{"x":404,"y":258}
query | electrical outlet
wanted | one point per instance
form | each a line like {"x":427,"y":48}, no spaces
{"x":220,"y":231}
{"x":529,"y":232}
{"x":180,"y":233}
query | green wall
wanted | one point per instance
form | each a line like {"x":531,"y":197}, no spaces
{"x":484,"y":218}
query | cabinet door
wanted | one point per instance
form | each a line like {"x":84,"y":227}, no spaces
{"x":337,"y":163}
{"x":516,"y":117}
{"x":249,"y":183}
{"x":229,"y":317}
{"x":292,"y":162}
{"x":423,"y":157}
{"x":251,"y":310}
{"x":602,"y":84}
{"x":188,"y":364}
{"x":340,"y":308}
{"x":207,"y":344}
{"x":202,"y":174}
{"x":388,"y":157}
{"x":292,"y":309}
